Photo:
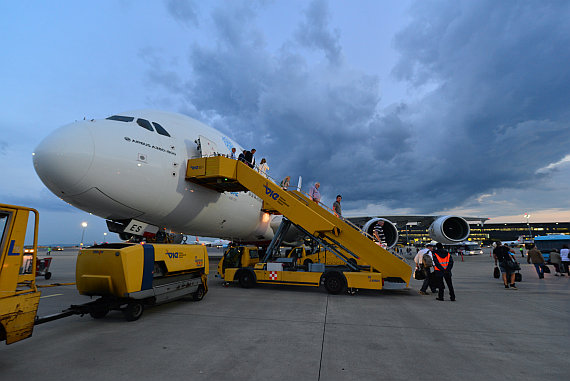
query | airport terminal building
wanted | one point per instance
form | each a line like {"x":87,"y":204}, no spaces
{"x":490,"y":232}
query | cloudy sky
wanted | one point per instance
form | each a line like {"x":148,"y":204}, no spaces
{"x":424,"y":107}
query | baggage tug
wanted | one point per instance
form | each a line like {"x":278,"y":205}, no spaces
{"x":128,"y":276}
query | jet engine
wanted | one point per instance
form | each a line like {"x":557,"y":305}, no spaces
{"x":449,"y":229}
{"x":390,"y":230}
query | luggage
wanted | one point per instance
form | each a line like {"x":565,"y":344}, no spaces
{"x":419,"y":274}
{"x":518,"y":277}
{"x":512,"y":264}
{"x":496,"y":273}
{"x":546,"y":269}
{"x":427,"y":261}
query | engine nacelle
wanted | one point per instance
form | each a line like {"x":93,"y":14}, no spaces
{"x":390,"y":230}
{"x":449,"y":229}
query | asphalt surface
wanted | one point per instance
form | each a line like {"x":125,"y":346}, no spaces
{"x":296,"y":333}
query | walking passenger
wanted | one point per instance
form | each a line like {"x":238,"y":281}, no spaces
{"x":564,"y":257}
{"x":285,"y":182}
{"x":378,"y":233}
{"x":443,"y":263}
{"x":502,"y":254}
{"x":336,"y":207}
{"x":263,"y":167}
{"x":556,"y":261}
{"x":314,"y":193}
{"x":537,"y":259}
{"x":241,"y":156}
{"x":249,"y":158}
{"x":424,"y":262}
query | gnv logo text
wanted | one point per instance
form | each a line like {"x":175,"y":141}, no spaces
{"x":271,"y":194}
{"x":172,"y":255}
{"x":195,"y":166}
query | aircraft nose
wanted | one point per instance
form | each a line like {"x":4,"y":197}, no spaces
{"x":63,"y":159}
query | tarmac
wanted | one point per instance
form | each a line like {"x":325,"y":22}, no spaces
{"x":296,"y":333}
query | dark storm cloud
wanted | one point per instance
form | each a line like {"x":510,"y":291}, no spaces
{"x":501,"y":89}
{"x":495,"y":80}
{"x":314,"y":31}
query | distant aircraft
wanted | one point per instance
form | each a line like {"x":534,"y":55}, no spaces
{"x":130,"y":169}
{"x":219,"y":243}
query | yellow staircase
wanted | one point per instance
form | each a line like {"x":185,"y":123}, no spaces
{"x":227,"y":175}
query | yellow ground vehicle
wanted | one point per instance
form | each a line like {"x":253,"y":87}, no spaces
{"x":242,"y":264}
{"x":346,"y":241}
{"x":19,"y":296}
{"x":129,"y":276}
{"x":126,"y":276}
{"x":249,"y":256}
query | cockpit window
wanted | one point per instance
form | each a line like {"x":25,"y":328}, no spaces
{"x":160,"y":129}
{"x":121,"y":118}
{"x":145,"y":124}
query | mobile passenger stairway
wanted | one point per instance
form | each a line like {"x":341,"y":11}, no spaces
{"x":228,"y":175}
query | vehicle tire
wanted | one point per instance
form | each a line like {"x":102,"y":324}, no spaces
{"x":133,"y":311}
{"x":334,"y":283}
{"x":199,"y":294}
{"x":307,"y":262}
{"x":47,"y":275}
{"x":99,"y":312}
{"x":246,"y":279}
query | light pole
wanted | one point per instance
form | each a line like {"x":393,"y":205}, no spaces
{"x":527,"y":216}
{"x":84,"y":224}
{"x":104,"y":237}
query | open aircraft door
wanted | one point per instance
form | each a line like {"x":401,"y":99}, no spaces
{"x":207,"y":147}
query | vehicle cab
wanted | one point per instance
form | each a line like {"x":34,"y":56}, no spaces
{"x":238,"y":257}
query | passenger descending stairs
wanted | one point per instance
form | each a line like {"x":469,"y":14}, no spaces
{"x":227,"y":175}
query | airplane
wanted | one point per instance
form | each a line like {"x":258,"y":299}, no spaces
{"x":130,"y":170}
{"x":224,"y":243}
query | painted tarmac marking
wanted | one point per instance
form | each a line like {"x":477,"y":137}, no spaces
{"x":49,"y":296}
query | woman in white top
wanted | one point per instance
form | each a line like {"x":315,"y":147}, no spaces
{"x":263,"y":167}
{"x":565,"y":260}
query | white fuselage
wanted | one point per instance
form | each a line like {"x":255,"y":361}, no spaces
{"x":120,"y":170}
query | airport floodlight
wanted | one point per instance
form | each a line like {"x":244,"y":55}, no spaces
{"x":527,"y":216}
{"x":84,"y":224}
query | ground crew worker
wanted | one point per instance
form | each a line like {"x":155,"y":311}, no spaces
{"x":443,"y":262}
